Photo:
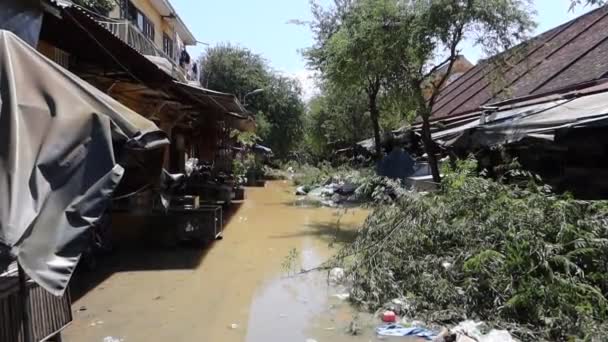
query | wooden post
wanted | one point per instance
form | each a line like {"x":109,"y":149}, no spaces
{"x":24,"y":296}
{"x":167,"y":127}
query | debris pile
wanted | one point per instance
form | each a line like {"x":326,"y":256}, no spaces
{"x":332,"y":187}
{"x":471,"y":331}
{"x":515,"y":256}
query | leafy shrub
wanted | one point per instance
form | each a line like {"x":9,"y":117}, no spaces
{"x":517,"y":256}
{"x":311,"y":176}
{"x":378,"y":190}
{"x":370,"y":188}
{"x":324,"y":173}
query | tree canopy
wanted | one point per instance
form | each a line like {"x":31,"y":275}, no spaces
{"x":336,"y":119}
{"x":353,"y":43}
{"x":278,"y":108}
{"x":388,"y":48}
{"x":233,"y":69}
{"x":574,"y":3}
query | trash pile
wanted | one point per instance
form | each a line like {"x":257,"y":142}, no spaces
{"x":466,"y":331}
{"x":517,"y":257}
{"x":471,"y":331}
{"x":345,"y":187}
{"x":330,"y":195}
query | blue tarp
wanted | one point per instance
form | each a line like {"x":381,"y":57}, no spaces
{"x":396,"y":165}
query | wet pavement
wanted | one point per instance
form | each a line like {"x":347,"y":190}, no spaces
{"x":237,"y":289}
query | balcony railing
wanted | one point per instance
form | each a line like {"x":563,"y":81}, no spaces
{"x":130,"y":34}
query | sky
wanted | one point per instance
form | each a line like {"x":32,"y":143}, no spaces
{"x":263,"y":27}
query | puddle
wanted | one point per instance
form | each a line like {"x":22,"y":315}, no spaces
{"x":285,"y":306}
{"x":232,"y":291}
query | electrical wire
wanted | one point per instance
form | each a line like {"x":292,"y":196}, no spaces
{"x":116,"y":60}
{"x":145,"y":187}
{"x":92,"y":36}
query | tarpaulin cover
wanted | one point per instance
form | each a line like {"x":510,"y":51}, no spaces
{"x":58,"y":139}
{"x":235,"y":114}
{"x":541,"y":120}
{"x":22,"y":17}
{"x":446,"y":137}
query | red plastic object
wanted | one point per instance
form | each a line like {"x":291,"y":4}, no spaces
{"x":389,"y":317}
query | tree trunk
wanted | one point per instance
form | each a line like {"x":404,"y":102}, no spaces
{"x":429,"y":147}
{"x":424,"y":112}
{"x":374,"y":114}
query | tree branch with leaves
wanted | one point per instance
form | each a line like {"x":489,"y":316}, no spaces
{"x":388,"y":48}
{"x":355,"y":50}
{"x":438,"y":28}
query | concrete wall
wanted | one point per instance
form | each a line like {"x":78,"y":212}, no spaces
{"x":160,"y":25}
{"x":146,"y":7}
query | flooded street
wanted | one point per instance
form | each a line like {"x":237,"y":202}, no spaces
{"x":234,"y":290}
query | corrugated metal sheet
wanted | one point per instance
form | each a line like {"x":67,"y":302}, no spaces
{"x":49,"y":314}
{"x":542,"y":119}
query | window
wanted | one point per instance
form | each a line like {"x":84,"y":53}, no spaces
{"x":140,"y":20}
{"x":168,"y":46}
{"x":147,"y":27}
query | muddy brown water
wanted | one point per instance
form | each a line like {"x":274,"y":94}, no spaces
{"x":234,"y":290}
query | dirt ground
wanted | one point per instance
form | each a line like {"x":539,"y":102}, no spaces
{"x":234,"y":290}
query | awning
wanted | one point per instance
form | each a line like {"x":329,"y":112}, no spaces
{"x":447,"y":135}
{"x":102,"y":53}
{"x":60,"y":138}
{"x":75,"y":31}
{"x":222,"y":103}
{"x":542,"y":120}
{"x":402,"y":135}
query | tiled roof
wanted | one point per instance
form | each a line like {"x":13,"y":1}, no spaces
{"x":568,"y":55}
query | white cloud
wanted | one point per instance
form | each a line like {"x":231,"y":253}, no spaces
{"x":308,"y":83}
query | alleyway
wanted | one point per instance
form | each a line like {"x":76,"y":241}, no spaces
{"x":234,"y":290}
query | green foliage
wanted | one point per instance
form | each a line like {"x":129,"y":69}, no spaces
{"x":575,"y":3}
{"x":371,"y":189}
{"x":355,"y":55}
{"x":283,"y":114}
{"x":388,"y":49}
{"x":336,"y":119}
{"x":356,"y":50}
{"x":289,"y":264}
{"x":245,"y":139}
{"x":233,"y":69}
{"x":279,"y":109}
{"x":245,"y":161}
{"x":516,"y":256}
{"x":313,"y":176}
{"x":241,"y":166}
{"x":378,"y":190}
{"x":263,"y":127}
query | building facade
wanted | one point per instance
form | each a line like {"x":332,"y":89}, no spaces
{"x":153,"y":28}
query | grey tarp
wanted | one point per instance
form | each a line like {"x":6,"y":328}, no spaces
{"x":58,"y":139}
{"x":235,"y":114}
{"x":446,"y":137}
{"x":22,"y":17}
{"x":541,"y":120}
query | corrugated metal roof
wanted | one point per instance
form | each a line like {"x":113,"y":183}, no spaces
{"x":542,"y":119}
{"x":561,"y":58}
{"x":80,"y":34}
